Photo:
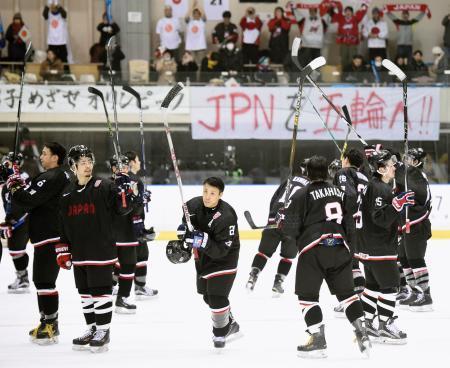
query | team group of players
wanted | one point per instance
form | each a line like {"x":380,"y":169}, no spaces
{"x":331,"y":222}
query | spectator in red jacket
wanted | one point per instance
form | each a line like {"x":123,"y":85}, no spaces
{"x":251,"y":31}
{"x":348,"y":34}
{"x":279,"y":27}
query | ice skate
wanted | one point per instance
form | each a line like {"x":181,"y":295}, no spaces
{"x":339,"y":311}
{"x":123,"y":307}
{"x":403,"y":293}
{"x":21,"y":284}
{"x":362,"y":339}
{"x":413,"y":295}
{"x":232,"y":335}
{"x":144,"y":292}
{"x":423,"y":302}
{"x":371,"y":331}
{"x":278,"y":285}
{"x":82,"y":342}
{"x":48,"y":334}
{"x":315,"y":347}
{"x":254,"y":273}
{"x":100,"y":341}
{"x":390,"y":333}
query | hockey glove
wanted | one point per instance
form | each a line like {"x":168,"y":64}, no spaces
{"x":63,"y":256}
{"x":196,"y":239}
{"x":182,"y":230}
{"x":403,"y":200}
{"x":371,"y":150}
{"x":146,"y":196}
{"x":123,"y":183}
{"x":15,"y":182}
{"x":279,"y":218}
{"x":5,"y":230}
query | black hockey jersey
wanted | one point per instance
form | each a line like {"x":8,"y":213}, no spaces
{"x":378,"y":225}
{"x":87,"y":217}
{"x":353,"y":183}
{"x":221,"y":254}
{"x":41,"y":200}
{"x":418,"y":183}
{"x":279,"y":196}
{"x":315,"y":216}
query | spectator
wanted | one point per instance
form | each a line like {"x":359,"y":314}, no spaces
{"x":196,"y":34}
{"x":225,"y":31}
{"x":279,"y":27}
{"x":379,"y":73}
{"x":210,"y":68}
{"x":52,"y":68}
{"x":230,"y":58}
{"x":187,"y":68}
{"x":402,"y":63}
{"x":57,"y":34}
{"x":348,"y":29}
{"x":446,"y":24}
{"x":168,"y":31}
{"x":2,"y":38}
{"x":376,"y":32}
{"x":440,"y":64}
{"x":418,"y":67}
{"x":404,"y":33}
{"x":251,"y":31}
{"x":265,"y":74}
{"x":107,"y":29}
{"x":356,"y":72}
{"x":16,"y":46}
{"x":312,"y":30}
{"x":166,"y":66}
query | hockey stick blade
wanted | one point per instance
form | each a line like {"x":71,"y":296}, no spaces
{"x":296,"y":45}
{"x":389,"y":65}
{"x":347,"y":115}
{"x":171,"y":95}
{"x":313,"y":65}
{"x":27,"y":53}
{"x":95,"y":91}
{"x":248,"y":217}
{"x":135,"y":93}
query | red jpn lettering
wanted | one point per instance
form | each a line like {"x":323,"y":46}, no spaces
{"x":216,"y":126}
{"x":241,"y":110}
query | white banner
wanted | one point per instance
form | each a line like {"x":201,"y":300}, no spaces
{"x":268,"y":113}
{"x":215,"y":8}
{"x":77,"y":99}
{"x":179,"y":7}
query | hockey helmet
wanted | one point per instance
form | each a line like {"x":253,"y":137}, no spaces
{"x":178,"y":252}
{"x":381,"y":158}
{"x":78,"y":151}
{"x":123,"y":160}
{"x":415,"y":154}
{"x":334,"y":167}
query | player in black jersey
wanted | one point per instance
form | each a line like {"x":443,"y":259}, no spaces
{"x":89,"y":206}
{"x":413,"y":245}
{"x":16,"y":229}
{"x":377,"y":229}
{"x":143,"y":235}
{"x":215,"y":243}
{"x":314,"y":219}
{"x":126,"y":243}
{"x":353,"y":182}
{"x":271,"y":238}
{"x":41,"y":200}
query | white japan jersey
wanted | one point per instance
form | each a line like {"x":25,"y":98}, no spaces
{"x":169,"y":32}
{"x":57,"y":33}
{"x":195,"y":35}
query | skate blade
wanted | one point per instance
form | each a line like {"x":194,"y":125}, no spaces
{"x":403,"y":306}
{"x":365,"y":349}
{"x":388,"y":341}
{"x":99,"y":349}
{"x":276,"y":294}
{"x":234,"y":337}
{"x":422,"y":308}
{"x":19,"y":291}
{"x":340,"y":315}
{"x":249,"y":288}
{"x":120,"y":310}
{"x":145,"y":297}
{"x":44,"y":342}
{"x":81,"y":347}
{"x":316,"y":354}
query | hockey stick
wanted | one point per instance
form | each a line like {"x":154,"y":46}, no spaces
{"x":349,"y":120}
{"x":297,"y":43}
{"x":248,"y":217}
{"x":164,"y":107}
{"x":141,"y":127}
{"x":401,"y":76}
{"x":19,"y":109}
{"x":99,"y":94}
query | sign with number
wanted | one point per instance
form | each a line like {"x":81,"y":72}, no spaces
{"x":215,"y":8}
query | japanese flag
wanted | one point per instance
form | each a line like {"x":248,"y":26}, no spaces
{"x":25,"y":34}
{"x":179,"y":7}
{"x":214,"y":9}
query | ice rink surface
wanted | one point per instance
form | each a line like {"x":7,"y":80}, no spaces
{"x":174,"y":330}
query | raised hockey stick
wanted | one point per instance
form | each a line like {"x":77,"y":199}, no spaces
{"x":248,"y":217}
{"x":19,"y":108}
{"x":164,"y":107}
{"x":349,"y":120}
{"x":99,"y":94}
{"x":401,"y":76}
{"x":141,"y":128}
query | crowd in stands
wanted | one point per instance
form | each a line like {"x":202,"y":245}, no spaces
{"x":182,"y":50}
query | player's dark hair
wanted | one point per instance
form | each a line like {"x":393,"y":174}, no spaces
{"x":58,"y":150}
{"x":355,"y":157}
{"x":317,"y":168}
{"x":131,"y":155}
{"x":215,"y":182}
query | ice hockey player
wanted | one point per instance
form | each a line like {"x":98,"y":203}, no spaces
{"x":143,"y":235}
{"x":352,"y":182}
{"x":15,"y":228}
{"x":88,"y":209}
{"x":126,"y":244}
{"x":377,"y":244}
{"x":41,"y":200}
{"x":271,"y":238}
{"x":214,"y":240}
{"x":314,"y":219}
{"x":413,"y":245}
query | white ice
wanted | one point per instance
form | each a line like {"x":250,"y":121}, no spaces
{"x":174,"y":330}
